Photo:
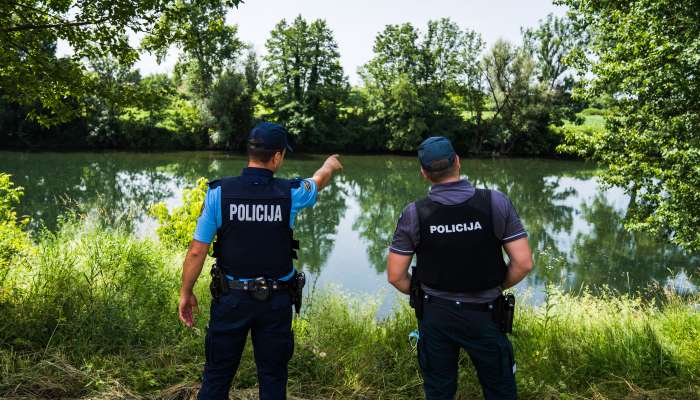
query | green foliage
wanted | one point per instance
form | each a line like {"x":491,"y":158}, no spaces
{"x":157,"y":115}
{"x":414,"y":78}
{"x":91,"y":289}
{"x":177,"y":228}
{"x":302,"y":83}
{"x":14,"y":241}
{"x":199,"y":29}
{"x":530,"y":89}
{"x":571,"y":346}
{"x":29,"y":30}
{"x":424,"y":82}
{"x":231,"y":103}
{"x":644,"y":62}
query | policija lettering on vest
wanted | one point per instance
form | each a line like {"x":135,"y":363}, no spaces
{"x":465,"y":227}
{"x":255,"y":212}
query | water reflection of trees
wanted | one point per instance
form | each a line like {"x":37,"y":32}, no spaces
{"x":536,"y":190}
{"x":316,"y":228}
{"x":533,"y":185}
{"x":120,"y":185}
{"x":610,"y":255}
{"x":543,"y":192}
{"x":382,"y":188}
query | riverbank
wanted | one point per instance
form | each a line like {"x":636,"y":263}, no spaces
{"x":91,"y":314}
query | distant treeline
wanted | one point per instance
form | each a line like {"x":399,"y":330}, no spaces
{"x":439,"y":80}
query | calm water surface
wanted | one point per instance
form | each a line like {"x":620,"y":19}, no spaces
{"x":575,"y":226}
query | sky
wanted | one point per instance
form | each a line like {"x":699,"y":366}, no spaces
{"x":356,"y":23}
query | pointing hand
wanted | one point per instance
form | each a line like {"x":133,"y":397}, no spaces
{"x":333,"y":163}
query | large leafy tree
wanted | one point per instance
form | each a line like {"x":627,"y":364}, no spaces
{"x":530,"y":88}
{"x":232,"y":102}
{"x":208,"y":45}
{"x":644,"y":56}
{"x":421,"y":82}
{"x":509,"y":76}
{"x":31,"y":74}
{"x":303,"y":85}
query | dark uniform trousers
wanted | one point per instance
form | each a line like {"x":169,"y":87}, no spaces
{"x":444,"y":329}
{"x":270,"y":324}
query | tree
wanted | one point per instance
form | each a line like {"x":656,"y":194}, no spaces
{"x":208,"y":45}
{"x":643,"y":54}
{"x":303,"y":85}
{"x":231,"y":103}
{"x":530,"y":89}
{"x":29,"y":30}
{"x":509,"y":75}
{"x":423,"y":82}
{"x":117,"y":85}
{"x":551,"y":44}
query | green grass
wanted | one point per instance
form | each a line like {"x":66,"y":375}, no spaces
{"x":90,"y":313}
{"x":593,"y":118}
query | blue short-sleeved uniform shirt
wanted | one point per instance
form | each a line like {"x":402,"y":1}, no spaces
{"x":210,"y":219}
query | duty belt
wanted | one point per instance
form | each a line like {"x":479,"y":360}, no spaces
{"x":460,"y":304}
{"x":255,"y":285}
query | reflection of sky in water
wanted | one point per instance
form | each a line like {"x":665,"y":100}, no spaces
{"x":348,"y":266}
{"x":585,"y":191}
{"x":574,"y":225}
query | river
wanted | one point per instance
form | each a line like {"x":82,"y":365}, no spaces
{"x":575,"y":226}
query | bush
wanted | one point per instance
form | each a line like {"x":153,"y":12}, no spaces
{"x":14,"y":240}
{"x":593,"y":111}
{"x":177,"y":228}
{"x":92,"y":289}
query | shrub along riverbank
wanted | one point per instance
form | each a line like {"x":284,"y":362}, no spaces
{"x":90,"y":312}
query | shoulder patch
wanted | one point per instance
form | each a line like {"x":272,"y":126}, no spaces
{"x":307,"y":185}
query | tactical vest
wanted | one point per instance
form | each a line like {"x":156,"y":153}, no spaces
{"x":458,"y":250}
{"x":255,"y":238}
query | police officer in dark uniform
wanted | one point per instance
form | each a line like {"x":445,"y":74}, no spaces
{"x":458,"y":234}
{"x":252,"y":216}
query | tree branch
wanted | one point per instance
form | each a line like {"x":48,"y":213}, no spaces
{"x":29,"y":27}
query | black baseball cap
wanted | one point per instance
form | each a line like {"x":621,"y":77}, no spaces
{"x":269,"y":136}
{"x":436,"y":154}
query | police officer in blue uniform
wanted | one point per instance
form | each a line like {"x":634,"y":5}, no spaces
{"x":458,"y":233}
{"x":252,"y":217}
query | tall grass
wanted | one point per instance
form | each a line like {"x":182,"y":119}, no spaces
{"x":90,"y":313}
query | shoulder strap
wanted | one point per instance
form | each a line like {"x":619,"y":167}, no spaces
{"x":482,"y":199}
{"x":483,"y":194}
{"x":295,"y":183}
{"x":214,"y":184}
{"x":424,"y":207}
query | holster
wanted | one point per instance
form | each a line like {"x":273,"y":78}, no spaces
{"x":416,"y":295}
{"x":504,"y":312}
{"x":296,"y":290}
{"x":218,"y":284}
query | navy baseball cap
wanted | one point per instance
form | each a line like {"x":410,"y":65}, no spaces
{"x":269,"y":136}
{"x":436,"y":154}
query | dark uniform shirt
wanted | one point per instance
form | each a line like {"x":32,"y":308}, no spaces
{"x":506,"y":223}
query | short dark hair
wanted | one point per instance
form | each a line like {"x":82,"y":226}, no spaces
{"x":441,"y":174}
{"x":261,"y":155}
